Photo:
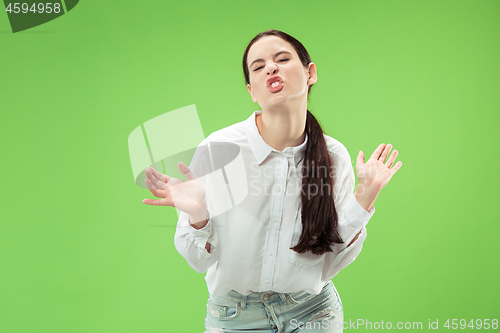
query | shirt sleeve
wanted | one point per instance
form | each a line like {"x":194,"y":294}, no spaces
{"x":352,"y":218}
{"x":191,"y":242}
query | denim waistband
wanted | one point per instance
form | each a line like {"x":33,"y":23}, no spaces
{"x":268,"y":296}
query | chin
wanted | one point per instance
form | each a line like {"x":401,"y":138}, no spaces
{"x":276,"y":104}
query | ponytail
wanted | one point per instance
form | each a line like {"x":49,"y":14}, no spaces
{"x":319,"y":216}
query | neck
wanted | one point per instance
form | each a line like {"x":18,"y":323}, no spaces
{"x":283,"y":127}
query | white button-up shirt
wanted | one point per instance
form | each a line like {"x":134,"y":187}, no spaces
{"x":250,"y":243}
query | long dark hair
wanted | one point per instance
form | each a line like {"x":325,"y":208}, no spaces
{"x":319,"y":216}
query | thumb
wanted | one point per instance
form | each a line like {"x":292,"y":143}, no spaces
{"x":185,"y":171}
{"x":361,"y":158}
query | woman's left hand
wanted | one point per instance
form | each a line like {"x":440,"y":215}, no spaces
{"x":376,"y":173}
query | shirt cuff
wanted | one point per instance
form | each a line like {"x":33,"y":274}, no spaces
{"x":204,"y":235}
{"x":356,"y":215}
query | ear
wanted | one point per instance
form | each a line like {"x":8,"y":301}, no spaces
{"x":250,"y":91}
{"x":313,"y":75}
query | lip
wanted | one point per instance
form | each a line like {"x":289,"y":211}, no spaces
{"x":273,"y":79}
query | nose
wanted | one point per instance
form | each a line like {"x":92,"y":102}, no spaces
{"x":272,"y":68}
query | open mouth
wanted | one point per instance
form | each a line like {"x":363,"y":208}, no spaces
{"x":274,"y":84}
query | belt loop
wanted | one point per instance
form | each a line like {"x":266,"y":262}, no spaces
{"x":244,"y":302}
{"x":283,"y":296}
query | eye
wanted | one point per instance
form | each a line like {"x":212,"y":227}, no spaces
{"x":283,"y":60}
{"x":257,"y":68}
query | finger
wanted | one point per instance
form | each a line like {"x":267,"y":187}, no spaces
{"x":361,"y":158}
{"x":149,"y":174}
{"x":186,"y":171}
{"x":154,"y":202}
{"x":149,"y":184}
{"x":386,"y":151}
{"x":154,"y":191}
{"x":160,"y":176}
{"x":156,"y":178}
{"x":392,"y":158}
{"x":156,"y":186}
{"x":378,"y":151}
{"x":396,"y":167}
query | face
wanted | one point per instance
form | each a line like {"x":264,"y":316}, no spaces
{"x":274,"y":59}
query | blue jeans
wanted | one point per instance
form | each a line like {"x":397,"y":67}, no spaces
{"x":276,"y":312}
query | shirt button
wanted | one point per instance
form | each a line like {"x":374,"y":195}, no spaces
{"x":267,"y":281}
{"x":270,"y":253}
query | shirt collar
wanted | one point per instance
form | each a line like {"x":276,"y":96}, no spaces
{"x":261,"y":149}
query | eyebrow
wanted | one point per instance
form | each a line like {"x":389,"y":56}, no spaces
{"x":275,"y":55}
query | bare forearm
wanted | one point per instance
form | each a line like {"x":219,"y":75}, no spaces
{"x":197,"y":225}
{"x":366,"y":196}
{"x":199,"y":219}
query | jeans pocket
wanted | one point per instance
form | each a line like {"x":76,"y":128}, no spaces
{"x":299,"y":299}
{"x":223,"y":312}
{"x":307,"y":259}
{"x":302,"y":297}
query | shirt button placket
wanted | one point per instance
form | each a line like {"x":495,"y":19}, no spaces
{"x":276,"y":214}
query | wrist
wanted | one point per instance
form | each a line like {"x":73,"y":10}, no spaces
{"x":367,"y":188}
{"x":366,"y":196}
{"x":199,"y":221}
{"x":199,"y":213}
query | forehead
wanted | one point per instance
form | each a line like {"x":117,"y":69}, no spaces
{"x":267,"y":47}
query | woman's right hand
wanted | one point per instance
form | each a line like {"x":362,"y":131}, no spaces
{"x":188,"y":196}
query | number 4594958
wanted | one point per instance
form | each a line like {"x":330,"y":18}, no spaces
{"x":36,"y":8}
{"x":478,"y":324}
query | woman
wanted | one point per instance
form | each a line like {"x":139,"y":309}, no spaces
{"x":270,"y":259}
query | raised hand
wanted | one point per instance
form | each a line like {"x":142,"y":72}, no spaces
{"x":375,"y":173}
{"x":188,"y":196}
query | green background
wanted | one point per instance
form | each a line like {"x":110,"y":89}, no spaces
{"x":80,"y":252}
